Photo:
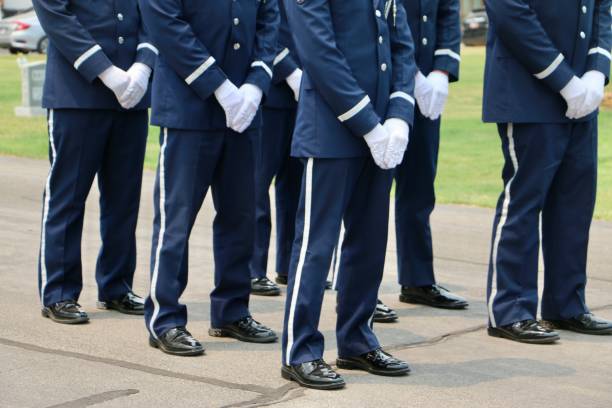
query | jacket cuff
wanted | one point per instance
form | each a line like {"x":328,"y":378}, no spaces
{"x":557,"y":74}
{"x":92,"y":63}
{"x":284,"y":66}
{"x":401,"y":106}
{"x":146,"y":53}
{"x":447,"y":60}
{"x":599,"y":60}
{"x":361,"y":118}
{"x":260,"y":76}
{"x":206,"y":78}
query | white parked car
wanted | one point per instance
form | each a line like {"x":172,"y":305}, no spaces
{"x":28,"y":35}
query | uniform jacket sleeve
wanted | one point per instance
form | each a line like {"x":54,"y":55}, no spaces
{"x":284,"y":63}
{"x":266,"y":36}
{"x":327,"y":67}
{"x":520,"y":31}
{"x":599,"y":53}
{"x":180,"y":47}
{"x":146,"y":52}
{"x":448,"y":47}
{"x":401,"y":100}
{"x":72,"y":40}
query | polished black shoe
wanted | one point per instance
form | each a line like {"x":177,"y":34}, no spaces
{"x":314,"y":374}
{"x":178,"y":342}
{"x":432,"y":295}
{"x":384,"y":314}
{"x":264,"y":287}
{"x":66,"y":311}
{"x":526,"y":331}
{"x":376,"y":362}
{"x":131,"y":304}
{"x":586,"y":323}
{"x":245,"y":329}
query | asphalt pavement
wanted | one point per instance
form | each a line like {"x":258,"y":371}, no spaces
{"x":108,"y":363}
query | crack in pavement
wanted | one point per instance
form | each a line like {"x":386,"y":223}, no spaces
{"x":458,"y":333}
{"x":268,"y":395}
{"x":486,"y":264}
{"x":96,"y":399}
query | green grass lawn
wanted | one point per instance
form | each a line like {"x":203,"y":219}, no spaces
{"x":470,"y":155}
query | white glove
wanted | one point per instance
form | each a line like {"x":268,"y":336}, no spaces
{"x":439,"y":83}
{"x":398,"y":131}
{"x":595,"y":82}
{"x":230,"y":99}
{"x":251,"y":95}
{"x":378,"y":140}
{"x":422,"y":92}
{"x":294,"y":81}
{"x":574,"y":93}
{"x":139,"y":82}
{"x":115,"y":79}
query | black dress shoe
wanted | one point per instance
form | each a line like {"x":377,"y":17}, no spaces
{"x":131,"y":304}
{"x":586,"y":323}
{"x":66,"y":311}
{"x":314,"y":374}
{"x":376,"y":362}
{"x":245,"y":329}
{"x":264,"y":287}
{"x":384,"y":314}
{"x":178,"y":342}
{"x":526,"y":331}
{"x":432,"y":295}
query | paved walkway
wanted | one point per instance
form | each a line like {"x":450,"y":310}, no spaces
{"x":109,"y":363}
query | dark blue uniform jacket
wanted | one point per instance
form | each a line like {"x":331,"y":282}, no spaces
{"x":534,"y":47}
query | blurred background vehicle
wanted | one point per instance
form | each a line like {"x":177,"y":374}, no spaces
{"x":475,"y":26}
{"x":28,"y":35}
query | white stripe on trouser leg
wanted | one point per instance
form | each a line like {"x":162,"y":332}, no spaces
{"x":502,"y":222}
{"x":337,"y":258}
{"x":300,"y":266}
{"x":43,"y":233}
{"x":162,"y":231}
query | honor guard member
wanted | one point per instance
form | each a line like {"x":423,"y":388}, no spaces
{"x":352,"y":125}
{"x":215,"y":65}
{"x":544,"y":80}
{"x":98,"y":67}
{"x":273,"y":161}
{"x":436,"y":28}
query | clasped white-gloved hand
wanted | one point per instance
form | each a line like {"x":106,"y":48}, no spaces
{"x":398,"y":131}
{"x":139,"y":74}
{"x":115,"y":79}
{"x":230,"y":99}
{"x":439,"y":83}
{"x":422,"y":92}
{"x":595,"y":82}
{"x":431,"y":93}
{"x":575,"y":93}
{"x":378,"y":140}
{"x":251,"y":95}
{"x":294,"y":81}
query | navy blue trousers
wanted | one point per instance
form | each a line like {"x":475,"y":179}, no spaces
{"x":83,"y":144}
{"x":355,"y":191}
{"x":415,"y":199}
{"x":550,"y":174}
{"x":272,"y":158}
{"x":189,"y":163}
